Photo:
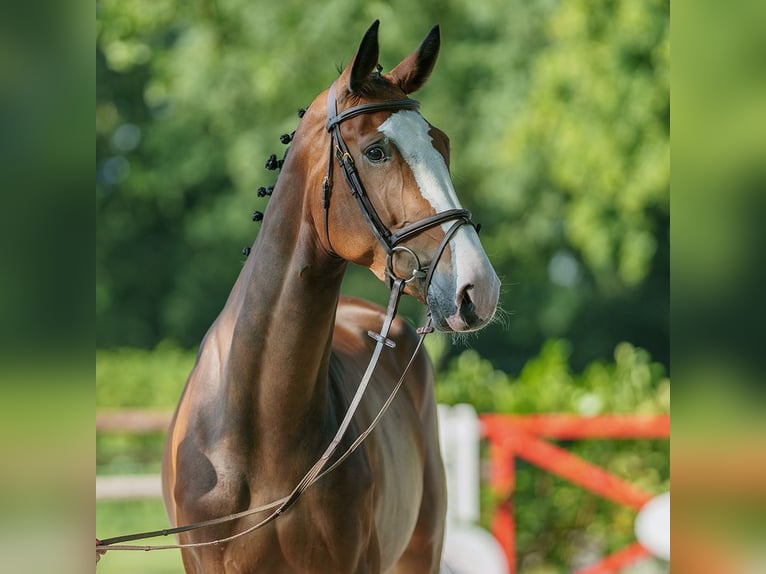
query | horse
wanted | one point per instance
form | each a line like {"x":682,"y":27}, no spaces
{"x":280,"y":365}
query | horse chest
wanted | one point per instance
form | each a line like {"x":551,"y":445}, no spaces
{"x":360,"y":516}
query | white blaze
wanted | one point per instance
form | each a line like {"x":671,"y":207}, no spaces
{"x":409,"y":132}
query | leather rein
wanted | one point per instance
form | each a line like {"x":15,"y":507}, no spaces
{"x":392,"y":243}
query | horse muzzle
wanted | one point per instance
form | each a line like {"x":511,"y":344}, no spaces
{"x":465,"y":304}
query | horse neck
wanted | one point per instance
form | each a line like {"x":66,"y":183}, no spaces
{"x":281,"y":313}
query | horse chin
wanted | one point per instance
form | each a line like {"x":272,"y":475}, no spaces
{"x":442,"y":325}
{"x":448,"y":319}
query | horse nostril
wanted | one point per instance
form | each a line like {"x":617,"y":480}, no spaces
{"x":466,"y":305}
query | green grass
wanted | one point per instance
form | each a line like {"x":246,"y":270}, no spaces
{"x":123,"y":517}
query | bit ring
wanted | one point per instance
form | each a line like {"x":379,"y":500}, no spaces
{"x":417,"y":273}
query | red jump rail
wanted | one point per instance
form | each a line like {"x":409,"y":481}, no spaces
{"x":515,"y":436}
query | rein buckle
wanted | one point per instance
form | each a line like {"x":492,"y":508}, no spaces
{"x":343,"y":158}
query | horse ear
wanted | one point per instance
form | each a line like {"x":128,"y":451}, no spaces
{"x":415,"y":69}
{"x":365,"y":60}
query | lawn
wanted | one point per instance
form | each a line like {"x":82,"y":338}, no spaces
{"x":114,"y":518}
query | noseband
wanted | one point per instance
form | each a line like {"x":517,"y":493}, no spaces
{"x":391,"y":241}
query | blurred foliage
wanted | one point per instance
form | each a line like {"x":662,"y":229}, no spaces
{"x":137,"y":378}
{"x":130,"y":378}
{"x":558,"y":115}
{"x":630,"y":384}
{"x":558,"y":522}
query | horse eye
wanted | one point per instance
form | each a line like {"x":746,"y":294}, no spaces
{"x":375,"y":154}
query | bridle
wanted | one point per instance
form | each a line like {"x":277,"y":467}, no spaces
{"x":391,"y":241}
{"x":392,"y":244}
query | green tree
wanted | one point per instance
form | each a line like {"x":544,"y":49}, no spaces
{"x":578,"y":175}
{"x":558,"y":115}
{"x":560,"y":525}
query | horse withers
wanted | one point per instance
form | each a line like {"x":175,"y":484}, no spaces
{"x":366,"y":180}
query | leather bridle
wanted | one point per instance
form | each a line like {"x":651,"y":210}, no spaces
{"x":316,"y":472}
{"x":392,"y":243}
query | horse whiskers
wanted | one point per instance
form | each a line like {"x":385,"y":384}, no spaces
{"x":463,"y":338}
{"x":501,"y":317}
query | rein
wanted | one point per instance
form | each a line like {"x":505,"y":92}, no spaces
{"x":391,"y":242}
{"x":317,"y":471}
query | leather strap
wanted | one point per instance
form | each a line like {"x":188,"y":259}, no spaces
{"x":336,"y":118}
{"x":390,"y":240}
{"x":339,"y":149}
{"x":314,"y":474}
{"x":420,"y":226}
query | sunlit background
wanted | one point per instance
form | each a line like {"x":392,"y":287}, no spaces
{"x":559,"y":119}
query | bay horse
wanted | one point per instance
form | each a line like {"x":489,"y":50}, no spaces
{"x":280,"y":365}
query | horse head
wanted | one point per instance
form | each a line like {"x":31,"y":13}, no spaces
{"x":402,"y":217}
